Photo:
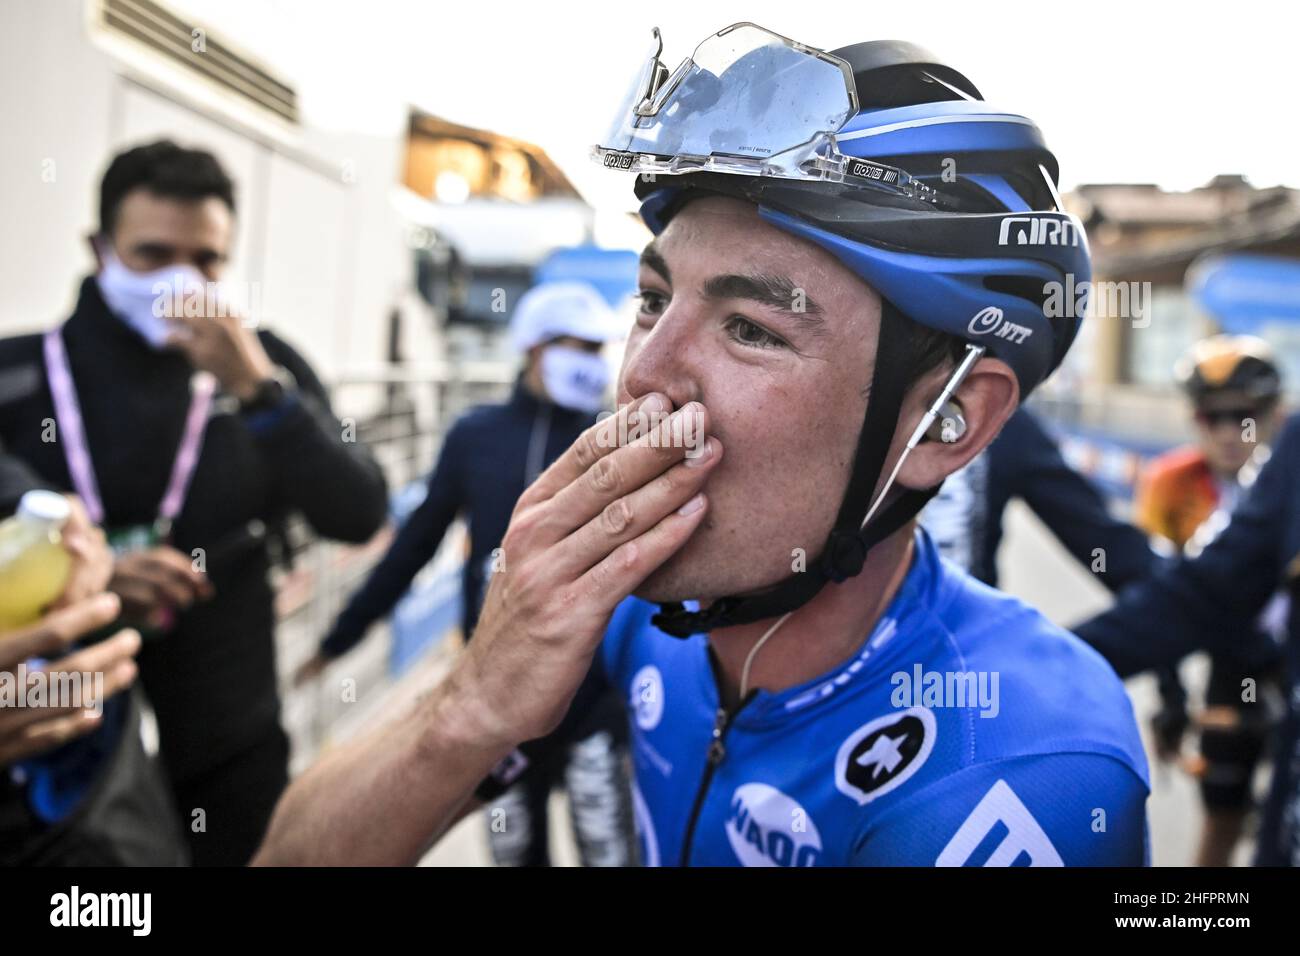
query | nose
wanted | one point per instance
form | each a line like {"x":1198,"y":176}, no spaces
{"x":665,"y":359}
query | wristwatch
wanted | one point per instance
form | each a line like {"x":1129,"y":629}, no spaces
{"x":270,"y":393}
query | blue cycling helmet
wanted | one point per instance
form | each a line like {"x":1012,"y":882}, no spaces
{"x":944,"y":205}
{"x":974,"y":256}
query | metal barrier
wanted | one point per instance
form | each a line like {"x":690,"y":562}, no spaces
{"x":401,"y":413}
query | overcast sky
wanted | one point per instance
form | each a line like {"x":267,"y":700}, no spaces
{"x":1163,"y":92}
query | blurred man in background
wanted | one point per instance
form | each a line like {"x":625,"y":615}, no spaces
{"x":489,"y":457}
{"x":1184,"y":499}
{"x":184,"y":471}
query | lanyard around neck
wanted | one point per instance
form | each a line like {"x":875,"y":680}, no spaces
{"x":67,"y":413}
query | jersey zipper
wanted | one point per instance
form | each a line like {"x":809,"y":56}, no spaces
{"x":717,"y":752}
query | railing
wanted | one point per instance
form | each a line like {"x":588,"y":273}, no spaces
{"x":401,"y":413}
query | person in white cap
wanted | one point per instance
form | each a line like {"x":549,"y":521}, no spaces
{"x":490,"y":455}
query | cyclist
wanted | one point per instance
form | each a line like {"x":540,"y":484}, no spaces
{"x":1184,"y":499}
{"x":838,"y":695}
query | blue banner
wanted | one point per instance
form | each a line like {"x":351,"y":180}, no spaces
{"x":1244,"y":292}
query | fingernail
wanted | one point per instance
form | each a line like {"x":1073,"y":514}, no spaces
{"x":692,"y":506}
{"x":653,"y":403}
{"x":696,"y":457}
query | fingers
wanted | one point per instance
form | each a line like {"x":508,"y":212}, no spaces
{"x":623,"y":470}
{"x":55,"y":631}
{"x":596,"y":442}
{"x":623,"y":570}
{"x":631,"y":516}
{"x":112,"y":658}
{"x":45,"y":735}
{"x":108,"y":668}
{"x":92,"y":561}
{"x":138,"y":597}
{"x":168,"y":575}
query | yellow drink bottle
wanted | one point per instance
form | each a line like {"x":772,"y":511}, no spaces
{"x":34,"y":565}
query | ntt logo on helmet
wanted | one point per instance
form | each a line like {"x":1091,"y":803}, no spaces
{"x":986,"y":320}
{"x":990,"y":320}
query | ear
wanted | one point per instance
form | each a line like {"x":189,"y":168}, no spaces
{"x":95,"y":240}
{"x":987,"y":398}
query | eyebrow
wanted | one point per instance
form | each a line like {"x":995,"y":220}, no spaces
{"x":651,"y":258}
{"x":774,"y":291}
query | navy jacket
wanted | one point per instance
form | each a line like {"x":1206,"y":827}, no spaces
{"x":1025,"y":462}
{"x":490,"y":456}
{"x":211,"y":680}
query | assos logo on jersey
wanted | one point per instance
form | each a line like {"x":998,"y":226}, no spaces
{"x":646,"y":697}
{"x":881,"y":755}
{"x":767,"y":828}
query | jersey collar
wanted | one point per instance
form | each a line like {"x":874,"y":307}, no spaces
{"x":907,"y":619}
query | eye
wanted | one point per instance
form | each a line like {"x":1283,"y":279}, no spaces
{"x":749,"y":334}
{"x":652,"y":303}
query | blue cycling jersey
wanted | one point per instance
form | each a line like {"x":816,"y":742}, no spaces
{"x":967,"y":731}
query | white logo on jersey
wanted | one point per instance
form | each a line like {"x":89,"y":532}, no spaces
{"x":767,"y":828}
{"x":646,"y":697}
{"x":1001,"y":806}
{"x":881,"y":755}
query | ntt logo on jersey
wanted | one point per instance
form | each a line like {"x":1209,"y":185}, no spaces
{"x":767,"y":828}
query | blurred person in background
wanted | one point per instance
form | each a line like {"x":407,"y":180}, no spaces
{"x":1184,"y":498}
{"x":76,"y":786}
{"x":1025,"y":462}
{"x":185,"y":471}
{"x":489,"y":457}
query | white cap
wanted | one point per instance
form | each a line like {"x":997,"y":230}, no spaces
{"x":48,"y":507}
{"x":553,"y":309}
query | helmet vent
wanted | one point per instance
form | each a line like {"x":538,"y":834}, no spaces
{"x":1022,"y":287}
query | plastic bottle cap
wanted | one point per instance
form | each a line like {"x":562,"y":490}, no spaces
{"x":47,"y":506}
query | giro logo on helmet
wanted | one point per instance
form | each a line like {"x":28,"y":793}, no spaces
{"x":990,"y":319}
{"x":1042,"y":231}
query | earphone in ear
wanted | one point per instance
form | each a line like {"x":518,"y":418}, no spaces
{"x":949,"y":425}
